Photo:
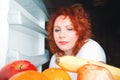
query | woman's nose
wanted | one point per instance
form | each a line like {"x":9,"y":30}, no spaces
{"x":62,"y":34}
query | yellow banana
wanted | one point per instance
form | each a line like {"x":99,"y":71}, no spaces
{"x":72,"y":64}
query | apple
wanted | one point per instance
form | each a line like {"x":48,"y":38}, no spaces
{"x":15,"y":67}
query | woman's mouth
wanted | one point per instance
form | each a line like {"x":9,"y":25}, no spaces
{"x":63,"y":42}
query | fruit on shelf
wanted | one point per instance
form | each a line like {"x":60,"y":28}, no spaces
{"x":56,"y":74}
{"x":72,"y":63}
{"x":29,"y":75}
{"x":93,"y":72}
{"x":15,"y":67}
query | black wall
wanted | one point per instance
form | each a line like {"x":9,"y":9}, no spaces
{"x":106,"y":27}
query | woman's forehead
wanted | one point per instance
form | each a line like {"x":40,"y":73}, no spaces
{"x":62,"y":19}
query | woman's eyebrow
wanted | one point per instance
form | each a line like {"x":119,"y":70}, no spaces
{"x":56,"y":26}
{"x":69,"y":25}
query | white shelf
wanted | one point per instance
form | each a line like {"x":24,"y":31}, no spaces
{"x":21,"y":23}
{"x":30,"y":16}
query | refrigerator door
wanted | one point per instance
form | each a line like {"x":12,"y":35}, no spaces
{"x":26,"y":32}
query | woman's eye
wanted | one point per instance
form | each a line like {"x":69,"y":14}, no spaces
{"x":70,"y":29}
{"x":56,"y":30}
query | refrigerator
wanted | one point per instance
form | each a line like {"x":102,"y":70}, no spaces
{"x":22,"y":32}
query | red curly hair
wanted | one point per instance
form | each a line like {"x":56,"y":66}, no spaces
{"x":80,"y":22}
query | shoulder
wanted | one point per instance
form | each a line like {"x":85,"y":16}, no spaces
{"x":53,"y":57}
{"x":52,"y":61}
{"x":92,"y":50}
{"x":91,"y":44}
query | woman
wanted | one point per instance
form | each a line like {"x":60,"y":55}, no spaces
{"x":69,"y":33}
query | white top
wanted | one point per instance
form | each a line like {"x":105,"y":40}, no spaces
{"x":90,"y":50}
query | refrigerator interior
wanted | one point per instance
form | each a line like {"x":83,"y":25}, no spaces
{"x":26,"y":32}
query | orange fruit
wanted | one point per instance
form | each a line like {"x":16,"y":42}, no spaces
{"x":56,"y":74}
{"x":29,"y":75}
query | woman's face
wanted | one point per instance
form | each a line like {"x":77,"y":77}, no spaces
{"x":64,"y":34}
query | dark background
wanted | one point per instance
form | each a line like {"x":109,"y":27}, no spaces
{"x":104,"y":15}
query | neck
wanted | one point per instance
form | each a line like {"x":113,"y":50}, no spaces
{"x":68,"y":53}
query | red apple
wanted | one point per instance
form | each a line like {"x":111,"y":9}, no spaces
{"x":15,"y":67}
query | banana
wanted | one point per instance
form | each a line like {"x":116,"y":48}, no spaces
{"x":72,"y":64}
